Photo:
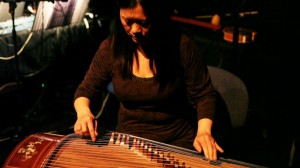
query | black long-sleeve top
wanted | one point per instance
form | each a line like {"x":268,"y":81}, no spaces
{"x":145,"y":110}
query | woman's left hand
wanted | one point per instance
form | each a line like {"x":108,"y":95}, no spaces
{"x":204,"y":142}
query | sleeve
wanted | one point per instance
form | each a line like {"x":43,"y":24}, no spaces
{"x":197,"y":79}
{"x":99,"y":73}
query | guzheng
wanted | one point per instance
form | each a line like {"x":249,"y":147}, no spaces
{"x":112,"y":150}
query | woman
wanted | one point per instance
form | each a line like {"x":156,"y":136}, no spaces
{"x":156,"y":73}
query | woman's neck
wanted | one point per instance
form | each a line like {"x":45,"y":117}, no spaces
{"x":141,"y":64}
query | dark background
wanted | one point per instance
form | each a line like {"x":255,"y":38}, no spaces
{"x":268,"y":66}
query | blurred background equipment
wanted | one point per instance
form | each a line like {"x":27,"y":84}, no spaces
{"x":5,"y":10}
{"x":50,"y":15}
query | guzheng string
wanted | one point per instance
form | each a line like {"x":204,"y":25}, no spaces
{"x":123,"y":150}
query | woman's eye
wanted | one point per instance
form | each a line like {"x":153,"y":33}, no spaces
{"x":144,"y":23}
{"x":128,"y":22}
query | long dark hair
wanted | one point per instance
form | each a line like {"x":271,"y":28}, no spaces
{"x":162,"y":46}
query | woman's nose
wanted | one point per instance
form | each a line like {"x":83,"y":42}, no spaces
{"x":136,"y":28}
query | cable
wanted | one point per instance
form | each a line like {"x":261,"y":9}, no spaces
{"x":103,"y":105}
{"x":21,"y":49}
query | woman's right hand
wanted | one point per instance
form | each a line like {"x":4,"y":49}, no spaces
{"x":85,"y":125}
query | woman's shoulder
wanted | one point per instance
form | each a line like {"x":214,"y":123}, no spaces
{"x":187,"y":42}
{"x":104,"y":51}
{"x":105,"y":48}
{"x":106,"y":43}
{"x":186,"y":38}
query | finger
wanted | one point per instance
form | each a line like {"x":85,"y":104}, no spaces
{"x":77,"y":128}
{"x":197,"y":146}
{"x":203,"y":145}
{"x":85,"y":129}
{"x":91,"y":129}
{"x":208,"y":148}
{"x":213,"y":155}
{"x":219,"y":148}
{"x":212,"y":150}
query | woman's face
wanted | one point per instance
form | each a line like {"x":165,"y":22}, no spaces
{"x":135,"y":23}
